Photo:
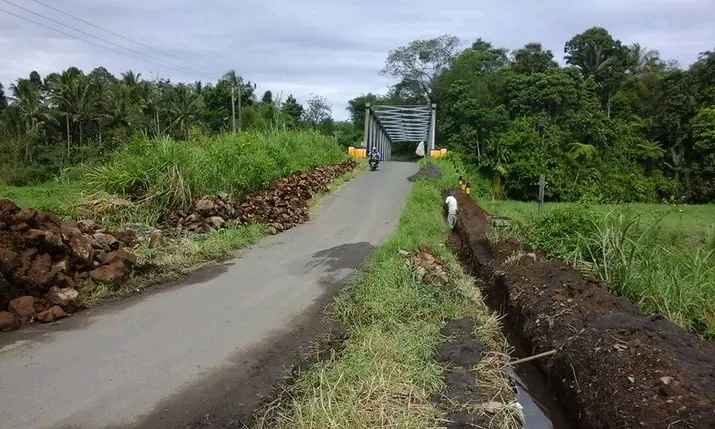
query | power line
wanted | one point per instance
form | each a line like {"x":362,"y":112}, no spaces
{"x":113,"y":33}
{"x":93,"y":36}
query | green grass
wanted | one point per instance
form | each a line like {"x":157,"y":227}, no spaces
{"x":687,"y":224}
{"x":386,"y":374}
{"x":52,"y":196}
{"x":660,"y":257}
{"x":149,"y":179}
{"x":171,"y":175}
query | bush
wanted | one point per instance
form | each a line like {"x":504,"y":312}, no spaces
{"x":171,"y":175}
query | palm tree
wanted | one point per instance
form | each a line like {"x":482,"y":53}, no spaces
{"x":32,"y":111}
{"x":121,"y":111}
{"x":184,"y":107}
{"x":73,"y":94}
{"x":130,"y":78}
{"x":641,"y":59}
{"x":148,"y":98}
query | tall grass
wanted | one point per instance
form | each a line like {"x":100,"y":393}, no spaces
{"x":170,"y":175}
{"x":636,"y":257}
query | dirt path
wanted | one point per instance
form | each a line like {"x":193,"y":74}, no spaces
{"x":653,"y":373}
{"x":210,"y":347}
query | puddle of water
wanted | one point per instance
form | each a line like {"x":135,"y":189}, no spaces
{"x":541,"y":409}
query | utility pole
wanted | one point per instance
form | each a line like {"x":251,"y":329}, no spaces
{"x":240,"y":116}
{"x":233,"y":104}
{"x":542,"y":185}
{"x":233,"y":107}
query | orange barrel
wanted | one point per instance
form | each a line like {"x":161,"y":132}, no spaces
{"x":434,"y":152}
{"x":444,"y":151}
{"x":351,"y":151}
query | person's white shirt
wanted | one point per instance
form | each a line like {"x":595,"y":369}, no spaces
{"x":451,"y":205}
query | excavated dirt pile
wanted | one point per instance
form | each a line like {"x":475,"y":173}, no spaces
{"x":44,"y":260}
{"x":428,"y":171}
{"x":282,"y":205}
{"x":614,"y":368}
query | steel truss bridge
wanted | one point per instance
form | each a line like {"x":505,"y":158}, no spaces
{"x":388,"y":124}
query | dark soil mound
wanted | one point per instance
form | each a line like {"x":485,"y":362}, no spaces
{"x":282,"y":205}
{"x":614,"y":367}
{"x":429,"y":170}
{"x":45,"y":258}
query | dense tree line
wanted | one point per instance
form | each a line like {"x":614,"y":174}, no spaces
{"x":71,"y":117}
{"x":616,"y":124}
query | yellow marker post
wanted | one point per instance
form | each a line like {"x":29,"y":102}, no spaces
{"x":469,"y":189}
{"x":461,"y":181}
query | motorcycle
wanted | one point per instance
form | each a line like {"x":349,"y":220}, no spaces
{"x":373,"y":163}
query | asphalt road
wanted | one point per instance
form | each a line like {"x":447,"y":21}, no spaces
{"x":115,"y":365}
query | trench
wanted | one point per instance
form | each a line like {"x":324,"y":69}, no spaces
{"x":541,"y":408}
{"x":540,"y":405}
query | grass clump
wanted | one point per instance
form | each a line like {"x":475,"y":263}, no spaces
{"x":642,"y":256}
{"x":386,"y":375}
{"x":170,"y":175}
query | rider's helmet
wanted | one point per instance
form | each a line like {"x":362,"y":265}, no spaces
{"x":374,"y":149}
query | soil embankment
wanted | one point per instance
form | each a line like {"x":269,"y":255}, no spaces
{"x":44,"y":261}
{"x":614,"y":368}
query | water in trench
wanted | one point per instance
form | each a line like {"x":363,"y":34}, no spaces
{"x":541,"y":409}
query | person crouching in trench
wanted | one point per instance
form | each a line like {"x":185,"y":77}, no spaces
{"x":451,"y":203}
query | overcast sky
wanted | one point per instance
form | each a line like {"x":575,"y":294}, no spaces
{"x":331,"y":48}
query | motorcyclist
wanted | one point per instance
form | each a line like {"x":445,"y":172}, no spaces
{"x":374,"y":154}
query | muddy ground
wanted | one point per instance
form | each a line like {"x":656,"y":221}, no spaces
{"x":460,"y":353}
{"x":614,"y":368}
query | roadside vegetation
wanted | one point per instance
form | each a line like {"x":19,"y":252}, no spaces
{"x":386,"y":375}
{"x":150,"y":178}
{"x":660,"y":257}
{"x":145,"y":181}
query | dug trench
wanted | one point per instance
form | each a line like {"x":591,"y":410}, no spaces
{"x":612,"y":367}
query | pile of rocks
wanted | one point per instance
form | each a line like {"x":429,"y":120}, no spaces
{"x":282,"y":205}
{"x":44,"y":261}
{"x":427,"y":266}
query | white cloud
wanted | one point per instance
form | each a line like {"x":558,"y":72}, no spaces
{"x":325,"y":47}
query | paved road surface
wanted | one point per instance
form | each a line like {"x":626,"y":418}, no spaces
{"x":113,"y":365}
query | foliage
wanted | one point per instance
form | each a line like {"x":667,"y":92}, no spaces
{"x":616,"y":124}
{"x":71,"y":117}
{"x":170,"y":175}
{"x":418,"y":64}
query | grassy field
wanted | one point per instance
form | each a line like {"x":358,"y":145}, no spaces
{"x":386,"y":374}
{"x":687,"y":223}
{"x":661,"y":257}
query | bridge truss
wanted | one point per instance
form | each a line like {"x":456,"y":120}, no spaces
{"x":388,"y":124}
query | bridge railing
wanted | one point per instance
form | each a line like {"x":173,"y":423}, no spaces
{"x":389,"y":124}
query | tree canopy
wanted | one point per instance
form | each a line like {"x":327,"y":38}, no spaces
{"x":616,"y":124}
